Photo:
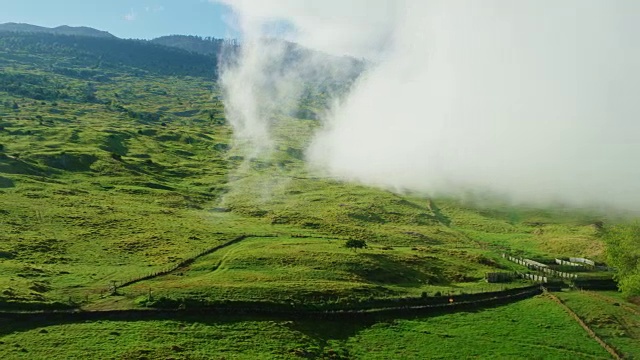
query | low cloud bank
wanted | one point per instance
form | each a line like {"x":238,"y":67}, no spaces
{"x":536,"y":100}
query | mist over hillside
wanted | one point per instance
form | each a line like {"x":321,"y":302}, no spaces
{"x":526,"y":100}
{"x":96,"y":54}
{"x":377,"y":180}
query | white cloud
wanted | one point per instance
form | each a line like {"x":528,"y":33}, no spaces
{"x":533,"y":99}
{"x":130,"y":16}
{"x":356,"y":27}
{"x":154,"y":9}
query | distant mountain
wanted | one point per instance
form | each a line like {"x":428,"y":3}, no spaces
{"x":60,"y":30}
{"x":86,"y":53}
{"x":196,"y":44}
{"x":92,"y":57}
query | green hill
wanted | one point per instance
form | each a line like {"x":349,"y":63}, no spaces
{"x":124,"y":161}
{"x":98,"y":58}
{"x":111,"y":156}
{"x":117,"y":163}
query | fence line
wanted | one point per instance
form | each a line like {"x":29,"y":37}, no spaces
{"x":498,"y":277}
{"x":411,"y":307}
{"x":188,"y":261}
{"x":537,"y":278}
{"x":568,"y":263}
{"x":534,"y":265}
{"x":583,"y":261}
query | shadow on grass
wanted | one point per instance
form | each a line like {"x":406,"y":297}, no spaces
{"x":321,"y":327}
{"x":389,"y":270}
{"x":439,"y":215}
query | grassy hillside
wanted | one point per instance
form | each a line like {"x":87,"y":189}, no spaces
{"x":531,"y":329}
{"x":116,"y":167}
{"x":110,"y":178}
{"x":616,"y":321}
{"x":99,"y":58}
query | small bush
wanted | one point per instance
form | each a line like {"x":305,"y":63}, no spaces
{"x":355,"y":244}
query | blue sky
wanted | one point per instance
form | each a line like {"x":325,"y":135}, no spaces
{"x":141,"y":19}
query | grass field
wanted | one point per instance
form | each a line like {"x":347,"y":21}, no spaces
{"x":93,"y":195}
{"x":615,"y":320}
{"x":132,"y":172}
{"x":312,"y":270}
{"x":531,"y":329}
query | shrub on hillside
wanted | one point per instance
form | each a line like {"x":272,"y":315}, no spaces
{"x":355,"y":244}
{"x":624,"y":255}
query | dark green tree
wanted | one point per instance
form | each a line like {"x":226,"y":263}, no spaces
{"x":623,"y":252}
{"x":355,"y":244}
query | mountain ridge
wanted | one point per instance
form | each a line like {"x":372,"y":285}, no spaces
{"x":192,"y":43}
{"x":59,"y":30}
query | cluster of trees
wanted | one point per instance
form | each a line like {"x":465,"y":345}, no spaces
{"x":83,"y":73}
{"x":623,"y":250}
{"x":32,"y":86}
{"x":43,"y":88}
{"x":198,"y":44}
{"x":355,"y":244}
{"x":11,"y":105}
{"x":131,"y":56}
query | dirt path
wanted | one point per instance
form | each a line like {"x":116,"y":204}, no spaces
{"x":586,"y":327}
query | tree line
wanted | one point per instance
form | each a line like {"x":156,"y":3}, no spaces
{"x":131,"y":56}
{"x":623,"y":251}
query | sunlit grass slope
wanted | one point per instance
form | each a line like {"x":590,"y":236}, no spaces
{"x":111,"y":176}
{"x":110,"y":172}
{"x":532,"y":329}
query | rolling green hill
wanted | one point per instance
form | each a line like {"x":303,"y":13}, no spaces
{"x":133,"y":167}
{"x":117,"y":162}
